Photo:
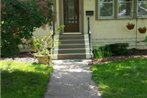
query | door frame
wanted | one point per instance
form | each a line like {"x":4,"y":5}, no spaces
{"x":81,"y":15}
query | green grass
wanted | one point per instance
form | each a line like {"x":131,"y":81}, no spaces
{"x":23,"y":80}
{"x":122,"y":79}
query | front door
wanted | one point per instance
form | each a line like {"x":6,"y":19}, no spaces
{"x":71,"y":15}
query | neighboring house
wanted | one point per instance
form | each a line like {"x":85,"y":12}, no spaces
{"x":107,"y":24}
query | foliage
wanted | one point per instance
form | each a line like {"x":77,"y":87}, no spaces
{"x":145,"y":39}
{"x":101,"y":52}
{"x":122,"y":79}
{"x":111,"y":50}
{"x":43,"y":46}
{"x":23,"y":80}
{"x":19,"y":19}
{"x":118,"y":48}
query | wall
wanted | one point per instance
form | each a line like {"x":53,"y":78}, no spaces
{"x":112,"y":31}
{"x":42,"y":31}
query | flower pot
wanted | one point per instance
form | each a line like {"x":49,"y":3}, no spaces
{"x":142,"y":30}
{"x":130,"y":26}
{"x":43,"y":59}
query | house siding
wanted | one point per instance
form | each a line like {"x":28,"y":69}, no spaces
{"x":104,"y":31}
{"x":114,"y":30}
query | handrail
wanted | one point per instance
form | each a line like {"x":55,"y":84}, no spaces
{"x":89,"y":35}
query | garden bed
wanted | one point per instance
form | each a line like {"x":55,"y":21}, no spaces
{"x":134,"y":53}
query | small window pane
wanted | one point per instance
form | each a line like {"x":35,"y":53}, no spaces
{"x":142,"y":7}
{"x":125,"y":8}
{"x":106,"y":8}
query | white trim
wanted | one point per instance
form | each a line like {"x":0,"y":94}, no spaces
{"x":87,"y":48}
{"x":55,"y":53}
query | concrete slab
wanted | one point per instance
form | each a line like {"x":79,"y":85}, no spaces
{"x":71,"y":79}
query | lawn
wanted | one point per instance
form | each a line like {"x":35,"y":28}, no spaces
{"x":122,"y":79}
{"x":23,"y":80}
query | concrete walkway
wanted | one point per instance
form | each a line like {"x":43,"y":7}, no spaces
{"x":71,"y":79}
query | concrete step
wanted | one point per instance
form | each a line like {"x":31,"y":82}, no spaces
{"x":72,"y":46}
{"x":72,"y":41}
{"x":71,"y":37}
{"x":72,"y":56}
{"x":68,"y":51}
{"x":67,"y":35}
{"x":65,"y":46}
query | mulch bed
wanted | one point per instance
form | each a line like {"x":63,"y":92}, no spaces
{"x":25,"y":54}
{"x":134,"y":54}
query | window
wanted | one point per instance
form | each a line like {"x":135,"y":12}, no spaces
{"x":116,"y":9}
{"x":142,"y":8}
{"x":106,"y":9}
{"x":125,"y":8}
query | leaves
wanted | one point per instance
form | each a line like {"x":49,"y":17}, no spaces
{"x":19,"y":19}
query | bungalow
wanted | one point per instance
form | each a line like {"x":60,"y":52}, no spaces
{"x":89,"y":24}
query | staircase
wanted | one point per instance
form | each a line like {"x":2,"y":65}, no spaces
{"x":73,"y":46}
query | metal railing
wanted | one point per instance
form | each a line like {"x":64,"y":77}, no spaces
{"x":89,"y":36}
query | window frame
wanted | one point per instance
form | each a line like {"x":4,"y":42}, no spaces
{"x":116,"y":11}
{"x":142,"y":16}
{"x":122,"y":17}
{"x":105,"y":17}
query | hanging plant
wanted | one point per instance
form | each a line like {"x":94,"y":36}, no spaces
{"x":130,"y":26}
{"x":142,"y":29}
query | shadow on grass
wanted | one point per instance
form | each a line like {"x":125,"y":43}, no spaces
{"x":19,"y":84}
{"x":122,"y":79}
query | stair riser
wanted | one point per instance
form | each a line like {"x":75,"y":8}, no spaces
{"x":71,"y":51}
{"x":71,"y":42}
{"x":71,"y":46}
{"x":71,"y":56}
{"x":71,"y":37}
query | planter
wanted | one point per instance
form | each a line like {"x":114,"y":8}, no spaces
{"x":130,"y":26}
{"x":142,"y":30}
{"x":43,"y":59}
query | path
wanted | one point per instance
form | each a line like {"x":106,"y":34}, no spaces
{"x":71,"y":79}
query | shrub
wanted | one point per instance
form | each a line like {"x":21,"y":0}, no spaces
{"x":111,"y":50}
{"x":118,"y":48}
{"x":101,"y":52}
{"x":19,"y":19}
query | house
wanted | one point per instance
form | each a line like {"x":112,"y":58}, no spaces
{"x":92,"y":23}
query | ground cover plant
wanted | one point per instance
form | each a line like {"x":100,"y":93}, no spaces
{"x":23,"y":80}
{"x":122,"y":79}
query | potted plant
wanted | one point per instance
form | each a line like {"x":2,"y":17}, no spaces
{"x":42,"y":48}
{"x":142,"y":29}
{"x":130,"y":26}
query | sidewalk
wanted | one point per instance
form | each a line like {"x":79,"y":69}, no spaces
{"x":71,"y":79}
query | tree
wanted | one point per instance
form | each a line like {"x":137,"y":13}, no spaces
{"x":19,"y":19}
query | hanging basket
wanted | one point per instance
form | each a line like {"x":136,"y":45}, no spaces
{"x":130,"y":26}
{"x":142,"y":29}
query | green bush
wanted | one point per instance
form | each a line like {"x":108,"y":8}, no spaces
{"x":101,"y":52}
{"x":118,"y":48}
{"x":19,"y":18}
{"x":111,"y":50}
